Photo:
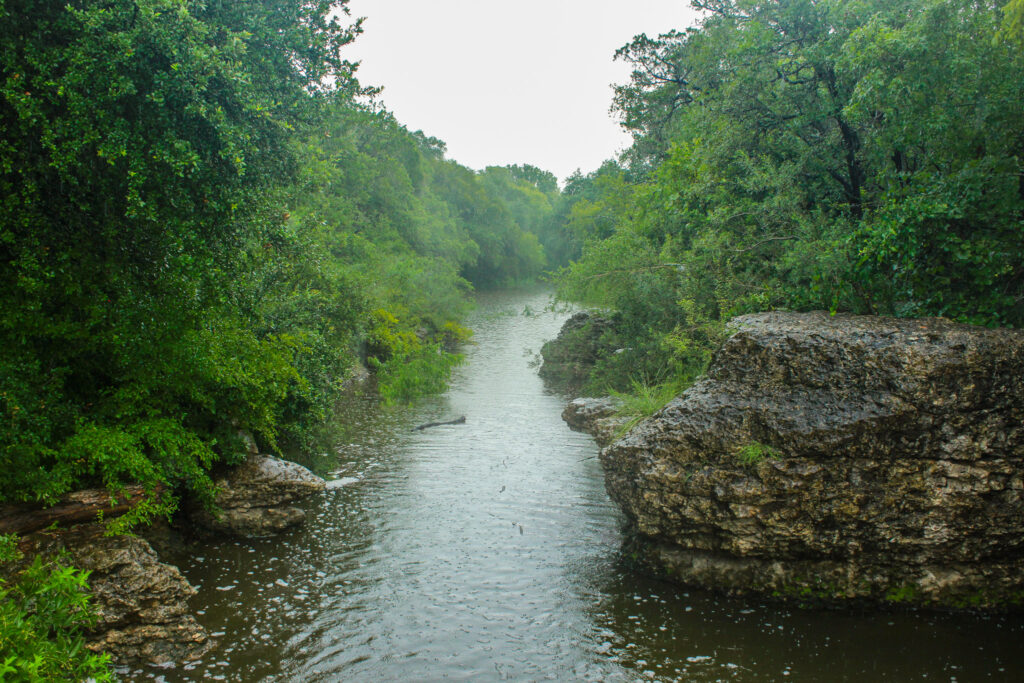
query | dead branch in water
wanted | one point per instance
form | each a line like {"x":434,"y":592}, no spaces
{"x":456,"y":421}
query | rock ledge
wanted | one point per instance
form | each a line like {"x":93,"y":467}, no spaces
{"x":846,"y":457}
{"x":569,"y":358}
{"x":141,"y":603}
{"x":595,"y":416}
{"x":255,"y":498}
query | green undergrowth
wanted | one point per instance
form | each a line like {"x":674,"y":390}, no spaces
{"x":645,"y":399}
{"x":419,"y":373}
{"x":411,"y":362}
{"x":43,"y":609}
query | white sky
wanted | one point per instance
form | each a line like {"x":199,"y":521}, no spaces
{"x":506,"y":82}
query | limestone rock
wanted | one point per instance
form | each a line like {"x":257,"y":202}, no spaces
{"x":569,"y":358}
{"x":141,"y":603}
{"x":595,"y":416}
{"x":839,"y":457}
{"x":254,"y":498}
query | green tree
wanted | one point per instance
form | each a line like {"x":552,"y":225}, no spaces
{"x":813,"y":154}
{"x":1013,"y":21}
{"x":143,"y":150}
{"x":940,"y":104}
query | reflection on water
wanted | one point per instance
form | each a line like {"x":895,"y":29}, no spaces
{"x":490,"y":551}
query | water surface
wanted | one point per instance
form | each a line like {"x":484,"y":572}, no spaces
{"x":490,"y":551}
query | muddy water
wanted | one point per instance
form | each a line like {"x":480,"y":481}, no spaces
{"x":489,"y":551}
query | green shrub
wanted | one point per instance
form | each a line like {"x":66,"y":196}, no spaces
{"x":408,"y":366}
{"x":644,"y":400}
{"x":42,"y":612}
{"x":419,"y":373}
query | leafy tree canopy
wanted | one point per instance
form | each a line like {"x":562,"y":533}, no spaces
{"x":144,"y":145}
{"x":814,"y":154}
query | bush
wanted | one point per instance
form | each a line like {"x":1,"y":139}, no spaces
{"x":407,"y":365}
{"x":42,"y":613}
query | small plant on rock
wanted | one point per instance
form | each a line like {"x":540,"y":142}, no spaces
{"x":644,"y":400}
{"x":754,"y":452}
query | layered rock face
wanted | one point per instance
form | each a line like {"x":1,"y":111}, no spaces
{"x":255,"y":498}
{"x":141,"y":603}
{"x":839,"y":457}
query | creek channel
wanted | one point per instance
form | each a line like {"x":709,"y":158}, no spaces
{"x":489,"y":551}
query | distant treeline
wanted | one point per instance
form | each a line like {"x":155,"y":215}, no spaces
{"x":806,"y":154}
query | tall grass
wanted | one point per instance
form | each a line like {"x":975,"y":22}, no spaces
{"x":644,"y":399}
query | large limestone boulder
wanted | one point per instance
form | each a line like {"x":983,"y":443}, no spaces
{"x":255,"y":498}
{"x":839,"y":457}
{"x":141,"y":603}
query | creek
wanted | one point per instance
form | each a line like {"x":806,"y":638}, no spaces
{"x":490,"y":551}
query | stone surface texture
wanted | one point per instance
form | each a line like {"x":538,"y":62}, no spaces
{"x":595,"y":416}
{"x":141,"y":603}
{"x":255,"y":498}
{"x":569,"y":358}
{"x":845,"y":457}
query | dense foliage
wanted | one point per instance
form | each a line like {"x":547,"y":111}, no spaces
{"x":143,"y":147}
{"x":853,"y":156}
{"x":202,"y":230}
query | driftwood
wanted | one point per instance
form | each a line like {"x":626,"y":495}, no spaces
{"x":74,"y":508}
{"x":456,"y":421}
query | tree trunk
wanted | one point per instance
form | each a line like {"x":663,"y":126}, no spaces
{"x":74,"y":508}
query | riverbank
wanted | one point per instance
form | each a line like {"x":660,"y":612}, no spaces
{"x":140,"y":599}
{"x":490,"y":551}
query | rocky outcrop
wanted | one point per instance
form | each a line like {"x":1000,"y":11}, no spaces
{"x":839,"y":457}
{"x":569,"y":358}
{"x":357,"y":378}
{"x":141,"y":603}
{"x":596,"y":416}
{"x":255,"y":498}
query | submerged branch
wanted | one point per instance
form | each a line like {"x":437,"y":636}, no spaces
{"x":456,"y":421}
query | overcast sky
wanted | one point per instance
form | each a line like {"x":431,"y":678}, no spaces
{"x":508,"y":82}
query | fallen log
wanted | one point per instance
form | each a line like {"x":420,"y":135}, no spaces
{"x":74,"y":508}
{"x":456,"y":421}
